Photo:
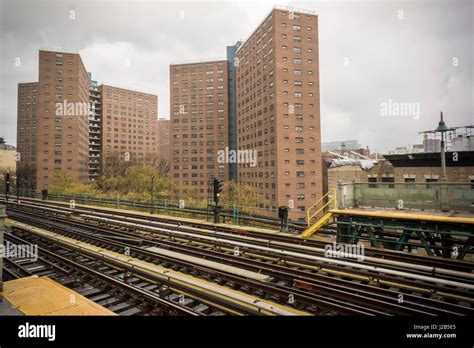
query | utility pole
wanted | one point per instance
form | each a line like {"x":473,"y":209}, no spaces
{"x":443,"y":191}
{"x":442,"y":128}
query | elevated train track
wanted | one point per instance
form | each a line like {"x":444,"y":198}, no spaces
{"x":348,"y":287}
{"x":62,"y":209}
{"x":189,"y":294}
{"x":104,"y":285}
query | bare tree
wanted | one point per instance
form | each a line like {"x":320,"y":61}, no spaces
{"x":26,"y":173}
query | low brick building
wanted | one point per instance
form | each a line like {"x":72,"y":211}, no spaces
{"x":426,"y":167}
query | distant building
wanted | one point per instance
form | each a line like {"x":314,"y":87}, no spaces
{"x":7,"y":157}
{"x":129,"y":125}
{"x":26,"y":130}
{"x":164,"y":138}
{"x":431,"y":145}
{"x":67,"y":123}
{"x":418,"y":148}
{"x":462,"y":142}
{"x":199,"y":123}
{"x":456,"y":138}
{"x":343,"y":145}
{"x":278,"y":110}
{"x":62,"y":125}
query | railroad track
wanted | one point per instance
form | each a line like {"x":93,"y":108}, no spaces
{"x":326,"y":288}
{"x":237,"y":231}
{"x":268,"y":291}
{"x":132,"y":273}
{"x":100,"y":282}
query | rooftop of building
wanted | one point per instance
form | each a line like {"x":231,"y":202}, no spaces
{"x":198,"y":61}
{"x":275,"y":8}
{"x":127,"y":89}
{"x":59,"y":50}
{"x":432,"y":159}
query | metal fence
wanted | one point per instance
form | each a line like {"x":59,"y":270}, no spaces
{"x":438,"y":196}
{"x":232,"y":214}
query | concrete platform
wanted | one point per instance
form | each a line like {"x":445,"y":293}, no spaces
{"x":455,"y":214}
{"x":42,"y":296}
{"x":448,"y":217}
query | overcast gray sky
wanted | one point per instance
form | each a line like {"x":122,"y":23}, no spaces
{"x":370,"y":52}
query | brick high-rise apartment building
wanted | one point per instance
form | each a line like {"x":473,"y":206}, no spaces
{"x":67,"y":123}
{"x":62,"y":127}
{"x":27,"y":110}
{"x":278,"y":111}
{"x":129,"y":125}
{"x":199,"y":123}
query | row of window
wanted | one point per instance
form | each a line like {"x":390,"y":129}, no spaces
{"x":195,"y":82}
{"x":200,"y":143}
{"x":195,"y":119}
{"x":208,"y":73}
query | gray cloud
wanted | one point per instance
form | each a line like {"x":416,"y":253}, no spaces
{"x":131,"y":44}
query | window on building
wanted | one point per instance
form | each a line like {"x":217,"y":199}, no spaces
{"x":388,"y":180}
{"x":428,"y":181}
{"x":372,"y":182}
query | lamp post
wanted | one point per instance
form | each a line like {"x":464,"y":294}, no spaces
{"x":17,"y":182}
{"x":442,"y":128}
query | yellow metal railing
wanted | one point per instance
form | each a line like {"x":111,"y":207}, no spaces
{"x":331,"y":200}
